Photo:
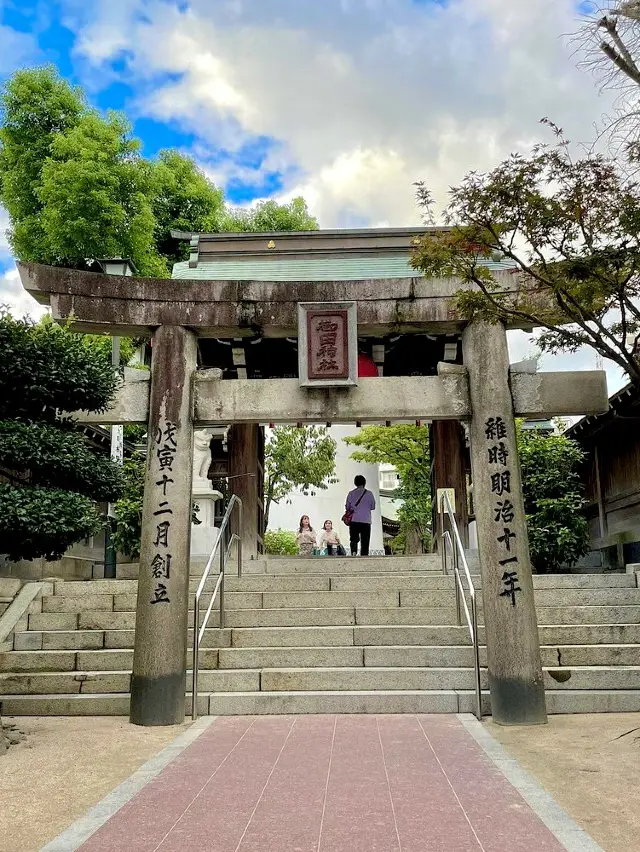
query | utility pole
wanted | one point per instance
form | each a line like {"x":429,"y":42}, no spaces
{"x":114,"y":266}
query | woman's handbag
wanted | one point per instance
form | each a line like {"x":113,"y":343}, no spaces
{"x":348,"y":515}
{"x":341,"y":550}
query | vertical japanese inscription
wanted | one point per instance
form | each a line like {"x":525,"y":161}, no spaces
{"x":328,"y":344}
{"x":165,"y":452}
{"x":504,"y":514}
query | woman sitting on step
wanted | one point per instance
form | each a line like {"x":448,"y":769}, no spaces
{"x":306,"y":537}
{"x":329,"y":539}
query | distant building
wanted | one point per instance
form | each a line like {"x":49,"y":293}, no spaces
{"x":612,"y":477}
{"x":329,"y":504}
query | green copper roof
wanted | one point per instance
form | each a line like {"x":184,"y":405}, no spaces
{"x":311,"y":269}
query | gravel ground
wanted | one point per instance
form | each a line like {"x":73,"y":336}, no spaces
{"x":63,"y":767}
{"x":591,"y":766}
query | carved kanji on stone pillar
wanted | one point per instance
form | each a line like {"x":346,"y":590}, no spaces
{"x":513,"y":649}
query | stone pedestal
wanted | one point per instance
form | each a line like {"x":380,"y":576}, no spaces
{"x":513,"y":649}
{"x":204,"y":534}
{"x":158,"y":680}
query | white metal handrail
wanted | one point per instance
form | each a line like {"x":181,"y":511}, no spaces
{"x":198,"y":631}
{"x":454,"y":546}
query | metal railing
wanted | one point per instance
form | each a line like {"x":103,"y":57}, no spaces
{"x":198,"y":631}
{"x":452,"y":546}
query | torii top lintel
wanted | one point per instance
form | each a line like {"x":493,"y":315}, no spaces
{"x":266,"y":276}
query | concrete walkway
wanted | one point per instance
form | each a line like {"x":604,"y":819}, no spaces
{"x":329,"y":784}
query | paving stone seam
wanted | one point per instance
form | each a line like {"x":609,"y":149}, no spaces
{"x":566,"y":831}
{"x":326,"y":786}
{"x":386,"y":775}
{"x":80,"y":831}
{"x":266,"y":783}
{"x":450,"y":783}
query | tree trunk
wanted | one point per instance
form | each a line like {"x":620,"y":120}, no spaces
{"x":413,"y":546}
{"x":267,"y":506}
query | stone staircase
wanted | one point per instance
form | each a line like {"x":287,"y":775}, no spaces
{"x":325,"y":635}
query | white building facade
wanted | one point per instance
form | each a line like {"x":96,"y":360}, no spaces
{"x":329,"y":504}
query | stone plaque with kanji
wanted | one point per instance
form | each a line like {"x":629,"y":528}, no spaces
{"x":327,"y":344}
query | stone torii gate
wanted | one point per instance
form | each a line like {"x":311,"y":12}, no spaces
{"x":177,"y":396}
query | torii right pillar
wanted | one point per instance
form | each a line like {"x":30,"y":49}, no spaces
{"x":511,"y":627}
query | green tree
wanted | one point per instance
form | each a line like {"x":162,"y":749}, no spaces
{"x":406,"y":447}
{"x":571,"y":231}
{"x":38,"y":106}
{"x":297,"y":457}
{"x":553,"y":499}
{"x":280,"y":543}
{"x":77,"y":189}
{"x":183,"y":199}
{"x":95,"y":197}
{"x":128,"y":508}
{"x":54,"y":476}
{"x":270,"y":216}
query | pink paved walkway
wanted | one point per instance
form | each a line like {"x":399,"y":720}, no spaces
{"x":328,"y":784}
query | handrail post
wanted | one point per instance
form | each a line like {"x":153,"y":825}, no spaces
{"x":476,"y":653}
{"x":458,"y":583}
{"x":224,"y":558}
{"x":240,"y":531}
{"x":223,"y":552}
{"x":194,"y":667}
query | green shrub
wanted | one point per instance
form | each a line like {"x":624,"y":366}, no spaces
{"x":46,"y":370}
{"x":280,"y":543}
{"x":37,"y":521}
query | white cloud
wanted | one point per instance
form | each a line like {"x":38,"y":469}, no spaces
{"x":17,"y":47}
{"x":365,"y":97}
{"x":5,"y":250}
{"x":14,"y":297}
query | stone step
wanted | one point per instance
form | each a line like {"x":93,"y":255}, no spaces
{"x":565,"y":616}
{"x":82,"y":705}
{"x":410,"y":701}
{"x":271,"y":703}
{"x":328,"y":679}
{"x":435,"y":656}
{"x":373,"y":678}
{"x":588,"y":634}
{"x":627,"y":635}
{"x":104,"y":681}
{"x":87,"y":640}
{"x":576,"y":615}
{"x":543,"y":597}
{"x":568,"y":616}
{"x":349,"y":581}
{"x":294,"y":637}
{"x":345,"y":564}
{"x":343,"y":701}
{"x":585,"y":581}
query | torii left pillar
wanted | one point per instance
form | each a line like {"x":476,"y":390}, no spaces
{"x":158,"y":683}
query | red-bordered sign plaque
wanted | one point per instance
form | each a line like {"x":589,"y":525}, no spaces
{"x":327,"y":344}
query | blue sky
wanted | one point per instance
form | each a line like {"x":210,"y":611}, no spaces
{"x":347,"y":102}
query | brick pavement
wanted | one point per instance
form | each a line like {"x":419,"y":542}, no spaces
{"x":328,"y":784}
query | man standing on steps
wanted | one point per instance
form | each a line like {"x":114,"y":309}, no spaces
{"x":360,"y":503}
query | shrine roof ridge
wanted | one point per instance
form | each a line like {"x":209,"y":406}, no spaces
{"x":319,"y":234}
